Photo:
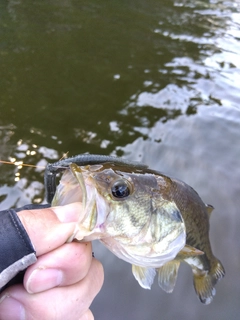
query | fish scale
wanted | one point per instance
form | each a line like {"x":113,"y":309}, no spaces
{"x":143,"y":216}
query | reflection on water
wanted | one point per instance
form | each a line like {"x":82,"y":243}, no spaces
{"x":154,"y":81}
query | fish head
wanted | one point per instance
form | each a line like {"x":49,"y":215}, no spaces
{"x":142,"y":216}
{"x":127,"y":210}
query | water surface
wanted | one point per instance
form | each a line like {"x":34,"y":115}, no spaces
{"x":155,"y":81}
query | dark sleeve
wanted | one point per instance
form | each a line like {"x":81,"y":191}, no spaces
{"x":16,"y":250}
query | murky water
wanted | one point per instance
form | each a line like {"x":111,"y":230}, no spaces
{"x":156,"y":81}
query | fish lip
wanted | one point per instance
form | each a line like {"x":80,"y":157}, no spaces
{"x":78,"y":174}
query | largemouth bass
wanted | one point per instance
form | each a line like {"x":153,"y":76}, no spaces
{"x":144,"y":217}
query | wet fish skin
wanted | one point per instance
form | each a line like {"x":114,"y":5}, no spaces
{"x":142,"y":228}
{"x":81,"y":160}
{"x":142,"y":223}
{"x":184,"y":203}
{"x":207,"y":269}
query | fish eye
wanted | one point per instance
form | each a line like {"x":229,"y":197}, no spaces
{"x":120,"y":189}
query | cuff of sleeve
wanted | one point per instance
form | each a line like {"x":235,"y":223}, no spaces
{"x":16,"y":249}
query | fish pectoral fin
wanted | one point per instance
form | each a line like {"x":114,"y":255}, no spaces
{"x":204,"y":283}
{"x":189,"y":251}
{"x":167,"y":275}
{"x":144,"y":276}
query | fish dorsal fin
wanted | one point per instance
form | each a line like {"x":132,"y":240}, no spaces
{"x":189,"y":251}
{"x":144,"y":276}
{"x":167,"y":275}
{"x":209,"y":209}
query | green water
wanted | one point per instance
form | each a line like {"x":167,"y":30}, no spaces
{"x":156,"y":81}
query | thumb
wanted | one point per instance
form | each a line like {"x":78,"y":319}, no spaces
{"x":50,"y":228}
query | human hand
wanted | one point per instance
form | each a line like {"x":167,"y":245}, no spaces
{"x":65,"y":279}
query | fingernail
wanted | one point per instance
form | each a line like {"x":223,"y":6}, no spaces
{"x":43,"y":279}
{"x":11,"y":309}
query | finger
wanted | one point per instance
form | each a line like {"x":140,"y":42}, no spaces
{"x":87,"y":315}
{"x":64,"y":266}
{"x":70,"y":302}
{"x":50,"y":228}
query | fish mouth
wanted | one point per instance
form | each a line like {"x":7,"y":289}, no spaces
{"x":75,"y":186}
{"x":77,"y":173}
{"x":71,"y":188}
{"x":78,"y":185}
{"x":88,"y":218}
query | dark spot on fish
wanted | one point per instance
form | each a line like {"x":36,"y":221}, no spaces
{"x":176,"y":215}
{"x":153,"y":208}
{"x":134,"y":220}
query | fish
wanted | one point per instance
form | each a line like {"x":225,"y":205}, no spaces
{"x":147,"y":218}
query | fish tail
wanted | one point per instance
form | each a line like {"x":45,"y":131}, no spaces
{"x":205,"y":281}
